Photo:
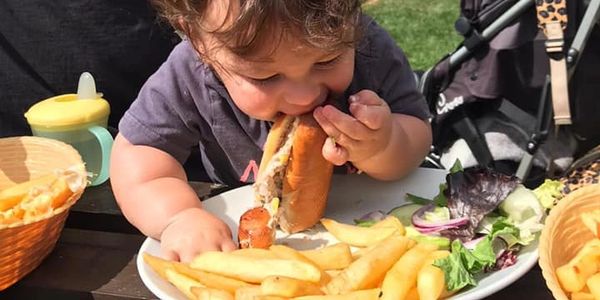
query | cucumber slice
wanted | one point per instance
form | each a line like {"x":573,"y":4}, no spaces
{"x":404,"y":213}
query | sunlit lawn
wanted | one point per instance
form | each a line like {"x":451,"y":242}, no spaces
{"x":424,"y":29}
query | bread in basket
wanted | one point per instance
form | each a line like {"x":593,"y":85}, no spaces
{"x":26,"y":240}
{"x":564,"y":234}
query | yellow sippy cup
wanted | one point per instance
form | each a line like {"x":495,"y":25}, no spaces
{"x":79,"y":120}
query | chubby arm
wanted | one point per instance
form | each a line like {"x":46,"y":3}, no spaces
{"x":407,"y":147}
{"x":152,"y":190}
{"x":150,"y":186}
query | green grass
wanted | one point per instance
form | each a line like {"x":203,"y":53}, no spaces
{"x":424,"y":29}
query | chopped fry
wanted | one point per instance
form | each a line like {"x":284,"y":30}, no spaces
{"x":582,"y":296}
{"x":201,"y":293}
{"x":430,"y":279}
{"x":254,"y":270}
{"x":286,"y":252}
{"x":593,"y":283}
{"x":573,"y":275}
{"x":13,"y":195}
{"x":592,"y":221}
{"x":254,"y":252}
{"x":356,"y":235}
{"x":159,"y":265}
{"x":288,"y":287}
{"x":367,"y":271}
{"x":211,"y":280}
{"x":362,"y":251}
{"x":391,"y":221}
{"x":334,"y":257}
{"x":370,"y":294}
{"x":182,"y":282}
{"x":402,"y":276}
{"x":248,"y":293}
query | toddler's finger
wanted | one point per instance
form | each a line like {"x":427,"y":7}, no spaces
{"x":339,"y":125}
{"x":334,"y":153}
{"x":366,"y":97}
{"x":371,"y":116}
{"x":228,"y":245}
{"x":188,"y":255}
{"x":170,"y":255}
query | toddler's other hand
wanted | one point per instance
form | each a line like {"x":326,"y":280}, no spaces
{"x":193,"y":231}
{"x":359,"y":136}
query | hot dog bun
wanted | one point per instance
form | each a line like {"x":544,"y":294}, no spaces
{"x":292,"y":183}
{"x":307,"y":178}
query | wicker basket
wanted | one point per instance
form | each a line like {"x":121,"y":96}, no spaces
{"x":23,"y":246}
{"x":564,"y":234}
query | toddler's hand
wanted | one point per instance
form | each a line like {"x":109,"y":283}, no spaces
{"x":192,"y":232}
{"x":359,"y":136}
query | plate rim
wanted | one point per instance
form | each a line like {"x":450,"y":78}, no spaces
{"x":489,"y":289}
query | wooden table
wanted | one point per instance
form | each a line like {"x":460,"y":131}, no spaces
{"x":95,"y":258}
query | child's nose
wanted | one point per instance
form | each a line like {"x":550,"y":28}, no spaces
{"x":302,"y":93}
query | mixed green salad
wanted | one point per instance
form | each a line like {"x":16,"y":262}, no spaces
{"x":482,"y":216}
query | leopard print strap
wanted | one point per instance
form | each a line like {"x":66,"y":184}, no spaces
{"x":551,"y":11}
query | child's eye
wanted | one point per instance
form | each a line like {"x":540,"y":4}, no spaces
{"x":328,"y":63}
{"x":263,"y":81}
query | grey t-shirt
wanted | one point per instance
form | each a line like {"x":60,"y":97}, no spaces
{"x":184,"y":105}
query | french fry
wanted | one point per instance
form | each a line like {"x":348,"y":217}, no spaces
{"x":159,"y":265}
{"x":413,"y":294}
{"x":582,"y":296}
{"x":592,"y":221}
{"x":248,"y":292}
{"x":593,"y":283}
{"x":254,"y":252}
{"x":369,"y":294}
{"x":430,"y":279}
{"x":368,"y":271}
{"x":60,"y":192}
{"x":182,"y":282}
{"x":201,"y":293}
{"x":362,"y":251}
{"x":288,"y":287}
{"x":211,"y":280}
{"x":333,"y":257}
{"x":391,"y":221}
{"x":285,"y":252}
{"x":356,"y":235}
{"x":11,"y":216}
{"x":573,"y":275}
{"x":254,"y":270}
{"x":13,"y":195}
{"x":403,"y":276}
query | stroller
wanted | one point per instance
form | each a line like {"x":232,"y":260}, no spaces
{"x":491,"y":99}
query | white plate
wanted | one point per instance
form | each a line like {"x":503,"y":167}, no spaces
{"x":350,"y":197}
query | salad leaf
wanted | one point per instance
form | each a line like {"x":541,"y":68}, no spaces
{"x":441,"y":199}
{"x":456,"y":274}
{"x":417,"y":200}
{"x":462,"y":264}
{"x":474,"y":193}
{"x":456,"y":167}
{"x":549,"y":192}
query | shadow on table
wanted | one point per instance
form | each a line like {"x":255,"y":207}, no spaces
{"x":84,"y":265}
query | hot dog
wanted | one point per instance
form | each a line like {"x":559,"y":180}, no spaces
{"x":292,"y":183}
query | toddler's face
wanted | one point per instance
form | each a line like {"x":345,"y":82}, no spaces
{"x":293,"y":80}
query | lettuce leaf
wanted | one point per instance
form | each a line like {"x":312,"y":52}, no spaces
{"x":462,"y":264}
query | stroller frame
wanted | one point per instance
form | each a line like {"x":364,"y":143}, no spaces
{"x":433,"y":81}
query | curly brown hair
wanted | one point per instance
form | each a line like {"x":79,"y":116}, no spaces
{"x":329,"y":25}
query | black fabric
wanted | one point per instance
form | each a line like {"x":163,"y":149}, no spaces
{"x":46,"y":45}
{"x":513,"y":67}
